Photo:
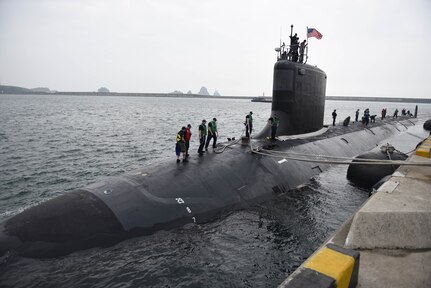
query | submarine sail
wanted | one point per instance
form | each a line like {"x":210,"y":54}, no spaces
{"x":166,"y":196}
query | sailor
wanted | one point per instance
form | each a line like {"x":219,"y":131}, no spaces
{"x":302,"y":50}
{"x":248,"y":124}
{"x":356,"y":115}
{"x":180,"y":146}
{"x":273,"y":122}
{"x":334,"y":116}
{"x":346,"y":121}
{"x":366,"y":118}
{"x":294,"y":43}
{"x":212,"y":134}
{"x":187,"y":137}
{"x":202,"y":136}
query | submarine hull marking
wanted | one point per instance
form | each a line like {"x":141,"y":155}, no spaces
{"x":142,"y":205}
{"x":166,"y":196}
{"x":180,"y":200}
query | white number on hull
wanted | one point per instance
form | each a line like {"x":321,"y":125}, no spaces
{"x":181,"y":201}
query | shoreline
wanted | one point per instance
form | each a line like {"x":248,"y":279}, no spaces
{"x":264,"y":99}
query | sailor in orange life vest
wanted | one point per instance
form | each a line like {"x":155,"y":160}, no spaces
{"x":180,"y":146}
{"x":187,"y":137}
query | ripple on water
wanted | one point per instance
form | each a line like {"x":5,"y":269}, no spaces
{"x":104,"y":136}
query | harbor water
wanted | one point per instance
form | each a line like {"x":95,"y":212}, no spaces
{"x":50,"y":145}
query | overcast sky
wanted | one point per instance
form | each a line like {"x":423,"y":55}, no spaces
{"x":369,"y":47}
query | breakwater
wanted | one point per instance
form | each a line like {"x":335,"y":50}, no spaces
{"x":178,"y":95}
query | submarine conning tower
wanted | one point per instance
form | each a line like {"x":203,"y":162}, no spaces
{"x":298,"y":97}
{"x":298,"y":91}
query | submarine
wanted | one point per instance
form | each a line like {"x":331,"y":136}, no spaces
{"x":166,"y":195}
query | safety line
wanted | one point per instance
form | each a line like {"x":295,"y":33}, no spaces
{"x":348,"y":161}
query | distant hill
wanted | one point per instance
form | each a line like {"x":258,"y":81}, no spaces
{"x":176,"y":92}
{"x":216,"y":93}
{"x":20,"y":90}
{"x":103,"y":90}
{"x":203,"y":91}
{"x":41,"y":89}
{"x":13,"y":90}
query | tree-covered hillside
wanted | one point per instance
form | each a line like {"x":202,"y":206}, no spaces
{"x":13,"y":90}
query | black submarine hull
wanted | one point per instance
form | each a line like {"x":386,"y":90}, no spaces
{"x":166,"y":195}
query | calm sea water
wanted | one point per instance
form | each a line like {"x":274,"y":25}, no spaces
{"x":50,"y":145}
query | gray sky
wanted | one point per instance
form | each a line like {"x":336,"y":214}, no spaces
{"x":369,"y":47}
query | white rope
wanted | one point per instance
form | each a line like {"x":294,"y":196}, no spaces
{"x":290,"y":154}
{"x":381,"y":162}
{"x":219,"y":150}
{"x":347,"y":160}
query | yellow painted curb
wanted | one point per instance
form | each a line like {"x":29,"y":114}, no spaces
{"x":333,"y":264}
{"x":424,"y":150}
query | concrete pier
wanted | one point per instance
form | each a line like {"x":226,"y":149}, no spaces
{"x":391,"y":232}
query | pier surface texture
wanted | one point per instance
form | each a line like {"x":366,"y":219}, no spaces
{"x":391,"y":231}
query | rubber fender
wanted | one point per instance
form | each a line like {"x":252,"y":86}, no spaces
{"x":367,"y":175}
{"x":427,"y":125}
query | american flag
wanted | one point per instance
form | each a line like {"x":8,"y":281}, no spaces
{"x":311,"y":32}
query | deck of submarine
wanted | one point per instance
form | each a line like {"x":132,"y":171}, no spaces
{"x":327,"y":131}
{"x":392,"y":231}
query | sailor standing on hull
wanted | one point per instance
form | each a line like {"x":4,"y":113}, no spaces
{"x":202,"y":136}
{"x":180,"y":146}
{"x":248,"y":124}
{"x":187,"y":137}
{"x":273,"y":123}
{"x":334,"y":116}
{"x":212,"y":134}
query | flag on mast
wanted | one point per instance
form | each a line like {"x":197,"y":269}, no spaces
{"x":312,"y":32}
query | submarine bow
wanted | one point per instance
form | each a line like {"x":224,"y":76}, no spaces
{"x":165,"y":195}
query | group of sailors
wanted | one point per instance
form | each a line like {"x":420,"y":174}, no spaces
{"x":367,"y":117}
{"x":210,"y":132}
{"x":206,"y":134}
{"x":404,"y":112}
{"x":294,"y":55}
